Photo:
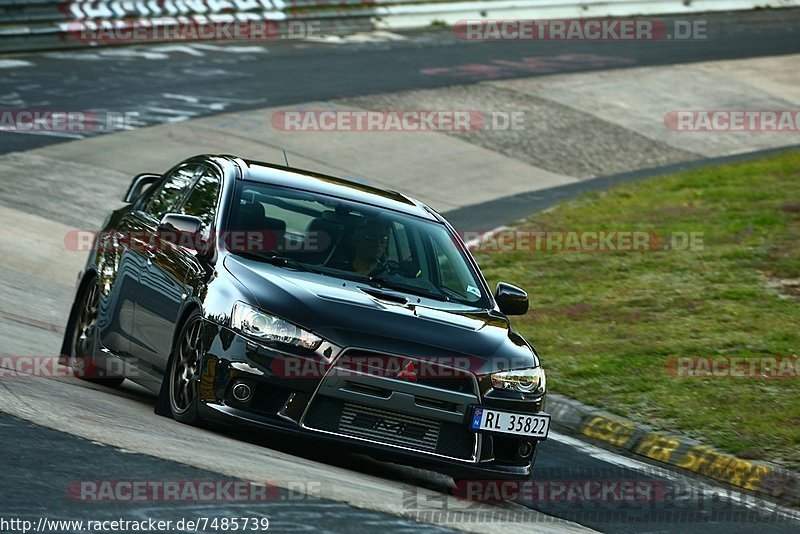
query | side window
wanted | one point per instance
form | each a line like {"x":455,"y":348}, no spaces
{"x":421,"y":253}
{"x":202,"y":201}
{"x":398,"y":248}
{"x":171,"y":191}
{"x":453,"y":274}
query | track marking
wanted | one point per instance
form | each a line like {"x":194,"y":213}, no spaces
{"x":205,"y":103}
{"x":131,"y":53}
{"x":378,"y":36}
{"x":153,"y":52}
{"x":231,"y":49}
{"x":14,"y":63}
{"x":51,"y":134}
{"x":21,"y":319}
{"x":752,"y":502}
{"x":78,"y":56}
{"x":11,"y":99}
{"x":184,"y":49}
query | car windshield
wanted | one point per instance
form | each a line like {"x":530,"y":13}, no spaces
{"x":389,"y":250}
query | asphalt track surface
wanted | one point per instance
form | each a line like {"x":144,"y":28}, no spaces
{"x":39,"y":462}
{"x":30,"y":494}
{"x":232,"y":77}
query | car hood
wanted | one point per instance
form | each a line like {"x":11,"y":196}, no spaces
{"x":346,"y":313}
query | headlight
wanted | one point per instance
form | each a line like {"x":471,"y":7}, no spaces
{"x":524,"y":380}
{"x":258,"y":324}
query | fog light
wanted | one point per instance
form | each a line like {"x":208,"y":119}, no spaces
{"x":525,"y":449}
{"x":242,"y":392}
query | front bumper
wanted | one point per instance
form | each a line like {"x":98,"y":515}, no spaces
{"x":421,"y":422}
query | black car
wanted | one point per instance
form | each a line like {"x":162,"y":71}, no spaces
{"x":247,"y":293}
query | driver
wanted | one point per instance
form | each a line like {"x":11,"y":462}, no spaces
{"x":365,"y":248}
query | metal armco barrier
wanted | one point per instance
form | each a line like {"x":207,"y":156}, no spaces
{"x":52,"y":24}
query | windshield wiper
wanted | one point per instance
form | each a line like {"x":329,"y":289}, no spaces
{"x":387,"y":283}
{"x":284,"y":261}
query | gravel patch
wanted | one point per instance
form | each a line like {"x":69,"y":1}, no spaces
{"x":554,"y":137}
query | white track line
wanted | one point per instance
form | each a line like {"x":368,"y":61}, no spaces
{"x":42,"y":132}
{"x":14,"y":63}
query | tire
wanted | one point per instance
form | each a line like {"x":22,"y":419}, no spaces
{"x":183,"y":372}
{"x":84,"y":339}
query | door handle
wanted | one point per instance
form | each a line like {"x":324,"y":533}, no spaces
{"x":118,"y":240}
{"x":146,"y":247}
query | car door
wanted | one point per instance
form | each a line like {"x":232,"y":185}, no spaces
{"x":159,"y":291}
{"x":182,"y":262}
{"x":118,"y":267}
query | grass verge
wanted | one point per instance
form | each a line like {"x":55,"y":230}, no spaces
{"x":607,"y":323}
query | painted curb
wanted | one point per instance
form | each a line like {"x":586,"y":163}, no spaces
{"x":676,"y":451}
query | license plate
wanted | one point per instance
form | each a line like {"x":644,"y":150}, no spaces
{"x":535,"y":426}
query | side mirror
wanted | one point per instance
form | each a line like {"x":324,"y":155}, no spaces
{"x":137,"y":185}
{"x":181,"y":230}
{"x":511,"y":299}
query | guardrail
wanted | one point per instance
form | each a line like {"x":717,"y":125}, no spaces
{"x":53,"y":24}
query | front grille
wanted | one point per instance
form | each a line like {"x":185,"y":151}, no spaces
{"x":426,"y":372}
{"x":388,"y":427}
{"x":460,"y":384}
{"x":391,"y":428}
{"x":324,"y":414}
{"x":455,"y":441}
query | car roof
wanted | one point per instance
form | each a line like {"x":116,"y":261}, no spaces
{"x":280,"y":175}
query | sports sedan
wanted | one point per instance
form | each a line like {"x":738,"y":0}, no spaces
{"x":245,"y":293}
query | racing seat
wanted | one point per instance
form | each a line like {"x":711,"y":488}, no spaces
{"x":262,"y":233}
{"x":325,"y":234}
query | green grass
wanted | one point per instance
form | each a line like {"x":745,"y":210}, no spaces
{"x":606,"y":322}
